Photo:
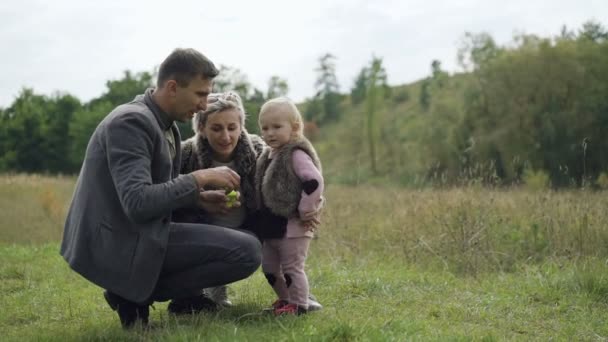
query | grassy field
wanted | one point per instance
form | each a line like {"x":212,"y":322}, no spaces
{"x":389,"y":264}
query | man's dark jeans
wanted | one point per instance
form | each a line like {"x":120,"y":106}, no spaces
{"x":200,"y":256}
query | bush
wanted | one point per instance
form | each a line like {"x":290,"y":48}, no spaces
{"x":536,"y":180}
{"x":602,"y":180}
{"x":401,"y":96}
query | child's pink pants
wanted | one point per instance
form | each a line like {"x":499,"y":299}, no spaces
{"x":283,"y":263}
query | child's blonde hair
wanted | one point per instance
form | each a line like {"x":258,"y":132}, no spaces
{"x":286,"y":107}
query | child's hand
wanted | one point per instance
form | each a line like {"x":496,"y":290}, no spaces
{"x":311,"y":224}
{"x":309,"y":210}
{"x":309,"y":215}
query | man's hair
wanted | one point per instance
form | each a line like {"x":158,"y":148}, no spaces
{"x":219,"y":102}
{"x":286,"y":107}
{"x":182,"y":65}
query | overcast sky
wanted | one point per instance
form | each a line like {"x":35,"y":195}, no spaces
{"x":75,"y":46}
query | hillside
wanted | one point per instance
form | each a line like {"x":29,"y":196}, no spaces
{"x":406,"y":136}
{"x":533,"y":112}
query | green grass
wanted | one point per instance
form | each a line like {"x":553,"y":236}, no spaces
{"x":365,"y":299}
{"x":389,"y":264}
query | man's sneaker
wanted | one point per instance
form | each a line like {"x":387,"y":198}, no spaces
{"x":219,"y":295}
{"x":290,"y":309}
{"x":313,"y":304}
{"x":129,"y":312}
{"x":191,"y":305}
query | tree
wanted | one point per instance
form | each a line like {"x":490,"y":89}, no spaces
{"x":425,"y":94}
{"x":359,"y":89}
{"x":593,"y":31}
{"x":252,"y":107}
{"x":82,"y":126}
{"x":125,"y":89}
{"x":23,"y":123}
{"x":234,"y":79}
{"x":566,"y":34}
{"x":277,"y":87}
{"x":327,"y":89}
{"x":312,"y":109}
{"x":439,"y":76}
{"x":476,"y":49}
{"x":376,"y":84}
{"x":541,"y":104}
{"x":59,"y":115}
{"x":362,"y":83}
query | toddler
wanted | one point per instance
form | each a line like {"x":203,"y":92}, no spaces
{"x":289,"y":188}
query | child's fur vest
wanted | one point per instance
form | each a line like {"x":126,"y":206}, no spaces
{"x":278,"y":187}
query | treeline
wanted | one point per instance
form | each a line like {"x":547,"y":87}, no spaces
{"x":49,"y":134}
{"x":539,"y":106}
{"x":40,"y":133}
{"x":534,"y":110}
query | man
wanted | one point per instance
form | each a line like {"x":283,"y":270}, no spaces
{"x":118,"y":232}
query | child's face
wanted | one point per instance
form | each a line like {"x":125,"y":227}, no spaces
{"x":276,"y":129}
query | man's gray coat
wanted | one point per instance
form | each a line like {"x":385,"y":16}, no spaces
{"x":117,"y":226}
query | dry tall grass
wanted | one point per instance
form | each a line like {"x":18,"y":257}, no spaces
{"x":33,"y":207}
{"x":464,"y":230}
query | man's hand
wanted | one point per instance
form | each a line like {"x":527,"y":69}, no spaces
{"x":216,"y":201}
{"x":218,"y":177}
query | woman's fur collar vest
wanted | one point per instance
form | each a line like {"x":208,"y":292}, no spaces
{"x":197,"y":154}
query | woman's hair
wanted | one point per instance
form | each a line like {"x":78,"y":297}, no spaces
{"x":287,"y":108}
{"x":219,"y":102}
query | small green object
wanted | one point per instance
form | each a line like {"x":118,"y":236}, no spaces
{"x":231,"y":198}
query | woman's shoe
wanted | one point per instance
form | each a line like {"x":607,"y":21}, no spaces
{"x":313,"y":304}
{"x":219,"y":295}
{"x":191,"y":305}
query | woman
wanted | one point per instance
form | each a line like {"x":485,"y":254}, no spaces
{"x":221,"y":140}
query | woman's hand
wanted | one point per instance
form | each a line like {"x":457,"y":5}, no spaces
{"x":216,"y":201}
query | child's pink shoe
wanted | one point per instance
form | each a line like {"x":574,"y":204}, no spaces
{"x":277,"y":304}
{"x":290,"y":309}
